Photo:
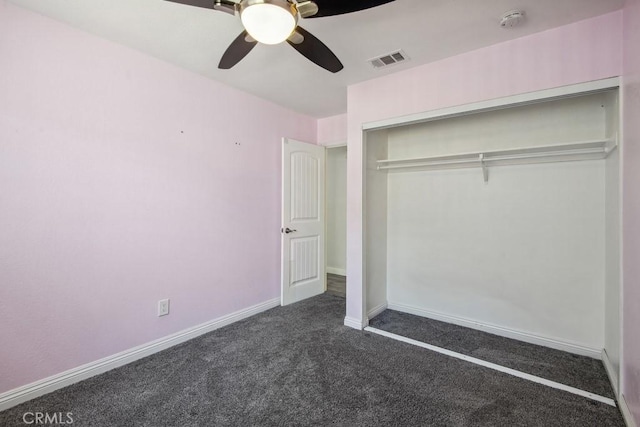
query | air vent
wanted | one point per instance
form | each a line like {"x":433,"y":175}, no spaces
{"x":389,"y":59}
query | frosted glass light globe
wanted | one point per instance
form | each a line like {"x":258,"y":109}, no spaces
{"x":269,"y":22}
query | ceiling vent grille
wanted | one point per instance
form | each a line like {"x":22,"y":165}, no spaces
{"x":389,"y":59}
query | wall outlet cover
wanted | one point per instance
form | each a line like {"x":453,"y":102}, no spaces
{"x":163,"y":307}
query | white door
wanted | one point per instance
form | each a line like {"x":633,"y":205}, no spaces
{"x":303,"y":265}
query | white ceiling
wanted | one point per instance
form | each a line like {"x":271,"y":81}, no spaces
{"x":427,"y":30}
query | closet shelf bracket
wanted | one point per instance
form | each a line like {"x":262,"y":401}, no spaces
{"x":485,"y":171}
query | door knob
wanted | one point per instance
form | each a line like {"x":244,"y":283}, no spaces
{"x":288,"y":230}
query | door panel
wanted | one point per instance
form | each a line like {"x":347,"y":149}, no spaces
{"x":304,"y":175}
{"x":303,"y":264}
{"x":304,"y":256}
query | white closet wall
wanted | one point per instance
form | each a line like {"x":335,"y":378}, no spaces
{"x":336,"y":204}
{"x":525,"y":251}
{"x":376,"y":220}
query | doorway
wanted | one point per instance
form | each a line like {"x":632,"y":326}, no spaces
{"x":336,"y":220}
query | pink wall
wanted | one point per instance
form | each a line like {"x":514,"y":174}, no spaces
{"x":631,"y":209}
{"x":580,"y":52}
{"x":332,"y":130}
{"x":120,"y":184}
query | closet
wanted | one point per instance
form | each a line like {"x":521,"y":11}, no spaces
{"x":505,"y":220}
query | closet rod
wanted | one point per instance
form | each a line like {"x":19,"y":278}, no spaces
{"x":603,"y":151}
{"x":591,"y":150}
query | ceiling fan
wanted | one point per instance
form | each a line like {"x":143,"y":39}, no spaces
{"x":276,"y":21}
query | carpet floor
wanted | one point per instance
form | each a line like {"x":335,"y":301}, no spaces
{"x":298,"y":365}
{"x":581,"y":372}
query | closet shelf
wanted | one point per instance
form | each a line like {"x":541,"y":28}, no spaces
{"x":584,"y":150}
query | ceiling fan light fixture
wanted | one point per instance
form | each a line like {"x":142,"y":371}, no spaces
{"x":268,"y":21}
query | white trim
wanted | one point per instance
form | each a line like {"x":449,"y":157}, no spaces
{"x":611,"y":372}
{"x":501,"y":331}
{"x":621,"y":188}
{"x":493,"y":366}
{"x":626,"y":412}
{"x":47,"y":385}
{"x":353,"y":323}
{"x":338,"y":144}
{"x":377,"y":310}
{"x":498,"y":103}
{"x":338,"y":271}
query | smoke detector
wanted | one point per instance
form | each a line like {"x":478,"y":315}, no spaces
{"x":512,"y":18}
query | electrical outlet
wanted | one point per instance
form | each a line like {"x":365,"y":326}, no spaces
{"x":163,"y":307}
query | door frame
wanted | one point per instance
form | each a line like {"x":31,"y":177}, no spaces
{"x":339,"y":144}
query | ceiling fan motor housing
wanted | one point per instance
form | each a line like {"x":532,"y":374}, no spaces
{"x":286,"y":4}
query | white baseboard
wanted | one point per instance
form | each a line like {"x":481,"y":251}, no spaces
{"x":501,"y":331}
{"x":338,"y":271}
{"x":354,"y":323}
{"x":626,"y":412}
{"x":377,"y":310}
{"x":31,"y":391}
{"x":611,"y":372}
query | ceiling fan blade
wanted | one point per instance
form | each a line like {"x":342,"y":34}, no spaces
{"x":315,"y":51}
{"x":339,"y":7}
{"x":207,"y":4}
{"x":238,"y":49}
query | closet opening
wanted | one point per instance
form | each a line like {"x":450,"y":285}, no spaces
{"x":504,"y":220}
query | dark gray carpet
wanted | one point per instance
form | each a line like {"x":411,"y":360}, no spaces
{"x":298,"y":365}
{"x":581,"y":372}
